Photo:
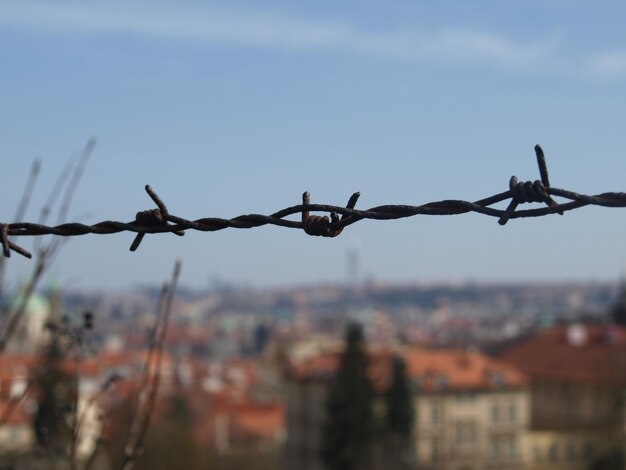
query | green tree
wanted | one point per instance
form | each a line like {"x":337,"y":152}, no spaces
{"x":400,"y":415}
{"x":55,"y":392}
{"x":400,"y":410}
{"x":618,"y":310}
{"x":347,"y":431}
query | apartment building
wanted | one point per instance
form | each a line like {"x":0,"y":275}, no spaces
{"x":577,"y":377}
{"x":472,"y":412}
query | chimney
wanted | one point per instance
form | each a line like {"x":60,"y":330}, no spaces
{"x":576,"y":335}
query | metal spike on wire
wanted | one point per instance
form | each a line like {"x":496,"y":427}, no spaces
{"x":521,"y":192}
{"x":152,"y":218}
{"x":161,"y":221}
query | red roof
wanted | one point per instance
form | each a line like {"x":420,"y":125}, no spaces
{"x":261,"y":420}
{"x":250,"y":420}
{"x":592,"y":354}
{"x":17,"y":413}
{"x":429,"y":369}
{"x":461,"y":370}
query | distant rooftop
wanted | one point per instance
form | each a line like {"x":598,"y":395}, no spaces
{"x":594,"y":354}
{"x":429,"y":370}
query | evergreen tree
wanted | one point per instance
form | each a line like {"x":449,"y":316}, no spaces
{"x":400,"y":410}
{"x":400,"y":415}
{"x":55,"y":401}
{"x":618,"y":310}
{"x":347,"y":431}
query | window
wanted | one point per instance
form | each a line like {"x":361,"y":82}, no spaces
{"x":435,"y":450}
{"x":416,"y":384}
{"x":465,"y":433}
{"x":436,"y":413}
{"x":504,"y":448}
{"x":497,"y":379}
{"x":553,"y":453}
{"x":468,"y":397}
{"x":570,"y":451}
{"x":512,"y":413}
{"x":496,"y":451}
{"x":495,"y":413}
{"x":511,"y":447}
{"x":504,"y":413}
{"x":440,"y":382}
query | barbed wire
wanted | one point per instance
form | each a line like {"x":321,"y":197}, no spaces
{"x":159,"y":220}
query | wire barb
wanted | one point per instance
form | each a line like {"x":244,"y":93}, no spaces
{"x":8,"y":245}
{"x":526,"y":191}
{"x":541,"y":162}
{"x":161,"y":221}
{"x":543,"y":171}
{"x":5,"y":240}
{"x":152,"y":218}
{"x":316,"y":225}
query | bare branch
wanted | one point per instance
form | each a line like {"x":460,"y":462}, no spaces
{"x":21,"y":210}
{"x":152,"y":374}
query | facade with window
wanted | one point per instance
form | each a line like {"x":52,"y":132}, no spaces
{"x":471,"y":412}
{"x":562,"y":450}
{"x":577,"y":377}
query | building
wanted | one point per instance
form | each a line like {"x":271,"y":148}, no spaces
{"x":577,"y":376}
{"x":19,"y":401}
{"x":29,"y":333}
{"x":472,"y":411}
{"x":16,"y":408}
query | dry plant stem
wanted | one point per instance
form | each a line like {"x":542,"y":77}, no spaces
{"x":75,"y":423}
{"x":46,"y":254}
{"x":147,"y":367}
{"x":14,"y":403}
{"x":81,"y":421}
{"x":68,"y":195}
{"x":55,"y":192}
{"x":152,"y":375}
{"x":12,"y":318}
{"x":75,"y":171}
{"x":92,"y":458}
{"x":21,"y":209}
{"x":28,"y":190}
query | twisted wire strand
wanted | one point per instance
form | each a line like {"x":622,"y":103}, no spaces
{"x":161,"y":221}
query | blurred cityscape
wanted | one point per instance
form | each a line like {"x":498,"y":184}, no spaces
{"x":501,"y":376}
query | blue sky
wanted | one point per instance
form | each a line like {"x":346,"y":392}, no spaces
{"x":228,"y":108}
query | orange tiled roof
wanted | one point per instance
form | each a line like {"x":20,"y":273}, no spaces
{"x":251,"y":420}
{"x":16,"y":364}
{"x":461,"y":370}
{"x":15,"y":414}
{"x":261,"y":421}
{"x":429,"y":369}
{"x":594,"y":355}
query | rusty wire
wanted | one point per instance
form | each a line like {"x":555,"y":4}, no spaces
{"x":161,"y":221}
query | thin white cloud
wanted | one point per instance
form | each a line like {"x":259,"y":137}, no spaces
{"x":214,"y":26}
{"x":608,"y":65}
